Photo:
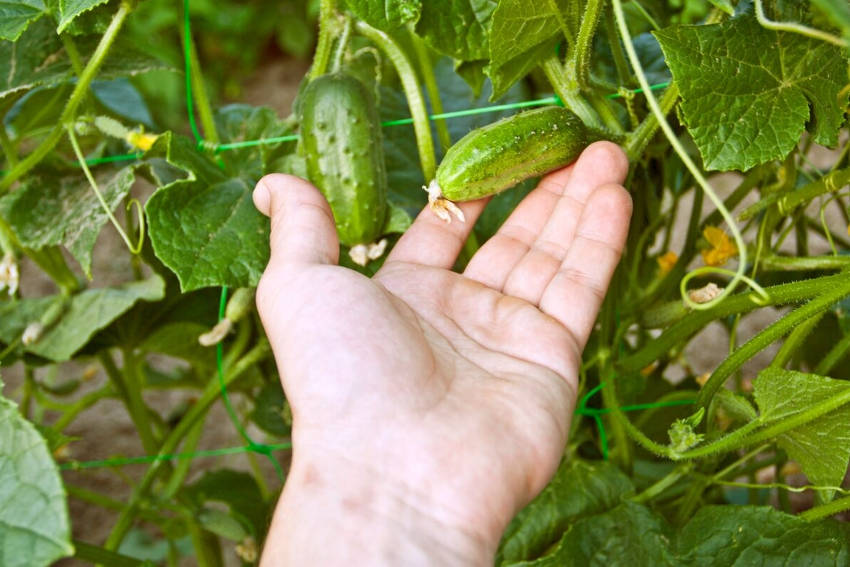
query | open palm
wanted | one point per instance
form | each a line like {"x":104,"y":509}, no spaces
{"x":455,"y":389}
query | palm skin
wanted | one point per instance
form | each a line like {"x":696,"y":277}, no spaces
{"x":449,"y":394}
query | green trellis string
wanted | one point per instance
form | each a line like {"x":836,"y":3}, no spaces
{"x":267,"y":449}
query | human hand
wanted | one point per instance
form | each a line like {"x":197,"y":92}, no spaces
{"x":430,"y":406}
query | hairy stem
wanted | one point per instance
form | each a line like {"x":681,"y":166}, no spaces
{"x":426,"y":67}
{"x":770,"y":334}
{"x":826,"y":510}
{"x":743,"y":303}
{"x":578,"y":63}
{"x":327,"y":12}
{"x":415,"y":100}
{"x":567,"y":90}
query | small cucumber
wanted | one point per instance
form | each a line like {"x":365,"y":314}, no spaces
{"x":341,"y":141}
{"x":498,"y":156}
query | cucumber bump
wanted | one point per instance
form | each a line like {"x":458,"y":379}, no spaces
{"x":341,"y":141}
{"x":498,"y":156}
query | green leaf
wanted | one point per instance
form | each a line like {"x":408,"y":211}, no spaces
{"x":269,"y":410}
{"x":629,"y":535}
{"x":821,"y":446}
{"x":579,"y":488}
{"x":34,"y":526}
{"x":239,"y":490}
{"x":473,"y":73}
{"x":398,"y":220}
{"x":180,"y":340}
{"x":522,"y":34}
{"x":760,"y":535}
{"x":837,"y":11}
{"x":70,"y":9}
{"x":17,"y":15}
{"x":205,"y":227}
{"x":86,"y":313}
{"x":209,"y":235}
{"x":123,"y":99}
{"x":241,"y":122}
{"x":746,"y":90}
{"x":385,"y":15}
{"x":221,"y":524}
{"x":38,"y":58}
{"x":47,"y":211}
{"x":457,"y":28}
{"x":724,"y":5}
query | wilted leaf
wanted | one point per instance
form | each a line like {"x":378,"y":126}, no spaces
{"x":47,"y":211}
{"x":86,"y":313}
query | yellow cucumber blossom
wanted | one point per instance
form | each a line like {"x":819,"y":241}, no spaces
{"x":9,"y":275}
{"x":667,"y":261}
{"x":141,"y":140}
{"x":722,"y":247}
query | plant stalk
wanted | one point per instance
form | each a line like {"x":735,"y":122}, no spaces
{"x":210,"y":394}
{"x":77,"y":95}
{"x":567,"y":90}
{"x":415,"y":100}
{"x":770,"y":334}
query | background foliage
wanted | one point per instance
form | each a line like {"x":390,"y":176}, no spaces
{"x":666,"y":465}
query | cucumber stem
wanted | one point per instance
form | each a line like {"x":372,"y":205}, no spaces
{"x":426,"y":67}
{"x":569,"y":94}
{"x":415,"y":100}
{"x":327,"y":9}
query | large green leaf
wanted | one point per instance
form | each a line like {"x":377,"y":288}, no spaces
{"x":760,"y":535}
{"x":522,"y":34}
{"x":457,"y":28}
{"x":629,"y":535}
{"x":48,"y":210}
{"x":34,"y":526}
{"x":205,"y":228}
{"x":17,"y":15}
{"x":85,"y":314}
{"x":579,"y":488}
{"x":70,"y":9}
{"x":821,"y":446}
{"x":385,"y":14}
{"x":746,"y":90}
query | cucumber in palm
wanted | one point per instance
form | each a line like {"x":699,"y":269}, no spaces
{"x":498,"y":156}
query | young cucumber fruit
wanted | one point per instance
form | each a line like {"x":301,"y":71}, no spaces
{"x":498,"y":156}
{"x":341,"y":141}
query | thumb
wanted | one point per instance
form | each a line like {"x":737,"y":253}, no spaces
{"x":302,"y":224}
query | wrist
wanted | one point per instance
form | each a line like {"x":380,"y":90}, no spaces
{"x":333,"y":512}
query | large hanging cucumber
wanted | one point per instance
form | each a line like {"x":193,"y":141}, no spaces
{"x":341,"y":141}
{"x":498,"y":156}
